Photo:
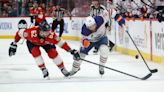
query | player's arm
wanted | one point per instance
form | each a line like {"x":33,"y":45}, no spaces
{"x":62,"y":44}
{"x":119,"y":19}
{"x":21,"y":34}
{"x":13,"y":45}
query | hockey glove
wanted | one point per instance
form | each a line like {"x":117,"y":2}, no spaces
{"x":86,"y":43}
{"x":12,"y":49}
{"x":75,"y":54}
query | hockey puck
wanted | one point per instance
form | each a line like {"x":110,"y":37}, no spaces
{"x":136,"y":56}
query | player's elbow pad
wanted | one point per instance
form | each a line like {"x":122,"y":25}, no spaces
{"x":119,"y":19}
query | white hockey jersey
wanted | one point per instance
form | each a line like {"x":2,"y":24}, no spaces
{"x":101,"y":29}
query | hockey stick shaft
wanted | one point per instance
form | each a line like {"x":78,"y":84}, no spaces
{"x":147,"y":4}
{"x":152,"y":71}
{"x":144,"y":78}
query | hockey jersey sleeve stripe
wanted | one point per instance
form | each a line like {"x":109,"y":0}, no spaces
{"x":63,"y":45}
{"x":60,"y":43}
{"x":21,"y":33}
{"x":17,"y":37}
{"x":119,"y":19}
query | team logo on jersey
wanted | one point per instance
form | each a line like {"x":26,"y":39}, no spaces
{"x":22,"y":24}
{"x":25,"y":34}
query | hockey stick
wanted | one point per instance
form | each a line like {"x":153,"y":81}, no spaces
{"x":152,"y":7}
{"x":148,"y":4}
{"x":153,"y":70}
{"x":143,"y":78}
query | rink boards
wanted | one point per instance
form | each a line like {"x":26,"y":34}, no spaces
{"x":147,"y":34}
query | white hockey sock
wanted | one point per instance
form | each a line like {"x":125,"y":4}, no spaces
{"x":40,"y":62}
{"x":103,"y":60}
{"x":58,"y":61}
{"x":77,"y":63}
{"x":104,"y":51}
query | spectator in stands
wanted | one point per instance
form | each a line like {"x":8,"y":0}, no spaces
{"x":23,"y":9}
{"x":49,"y":9}
{"x":4,"y":13}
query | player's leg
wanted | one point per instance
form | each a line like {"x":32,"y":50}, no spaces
{"x":104,"y":51}
{"x":77,"y":63}
{"x":61,"y":27}
{"x":53,"y":54}
{"x":35,"y":51}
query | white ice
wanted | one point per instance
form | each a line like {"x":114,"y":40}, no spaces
{"x":19,"y":73}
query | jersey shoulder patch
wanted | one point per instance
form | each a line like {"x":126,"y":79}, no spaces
{"x":85,"y":31}
{"x":99,"y":21}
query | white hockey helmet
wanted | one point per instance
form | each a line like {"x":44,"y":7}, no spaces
{"x":89,"y":21}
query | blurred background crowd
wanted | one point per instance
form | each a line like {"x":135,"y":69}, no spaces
{"x":128,"y":8}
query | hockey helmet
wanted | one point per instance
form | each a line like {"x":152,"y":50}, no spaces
{"x":44,"y":26}
{"x":89,"y":21}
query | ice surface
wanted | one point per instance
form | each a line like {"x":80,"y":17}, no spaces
{"x":19,"y":73}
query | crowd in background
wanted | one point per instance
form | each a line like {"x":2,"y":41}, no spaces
{"x":128,"y":8}
{"x":138,"y":9}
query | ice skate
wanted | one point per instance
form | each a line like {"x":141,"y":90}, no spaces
{"x":65,"y":72}
{"x":73,"y":72}
{"x":101,"y":70}
{"x":45,"y":73}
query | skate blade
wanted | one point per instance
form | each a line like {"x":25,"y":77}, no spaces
{"x":47,"y":78}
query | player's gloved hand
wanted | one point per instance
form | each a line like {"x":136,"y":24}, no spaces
{"x":12,"y":49}
{"x":75,"y":54}
{"x":86,"y":43}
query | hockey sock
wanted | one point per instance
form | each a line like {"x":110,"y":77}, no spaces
{"x":58,"y":61}
{"x":40,"y":62}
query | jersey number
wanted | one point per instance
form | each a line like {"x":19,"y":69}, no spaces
{"x":33,"y":33}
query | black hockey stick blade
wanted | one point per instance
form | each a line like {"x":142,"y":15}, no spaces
{"x":154,"y":70}
{"x":144,"y":78}
{"x":147,"y":76}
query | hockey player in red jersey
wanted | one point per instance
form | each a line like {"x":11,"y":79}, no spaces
{"x":36,"y":13}
{"x":42,"y":36}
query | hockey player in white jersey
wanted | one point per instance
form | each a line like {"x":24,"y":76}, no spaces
{"x":98,"y":9}
{"x":93,"y":34}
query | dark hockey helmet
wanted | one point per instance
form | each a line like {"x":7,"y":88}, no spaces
{"x":44,"y":26}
